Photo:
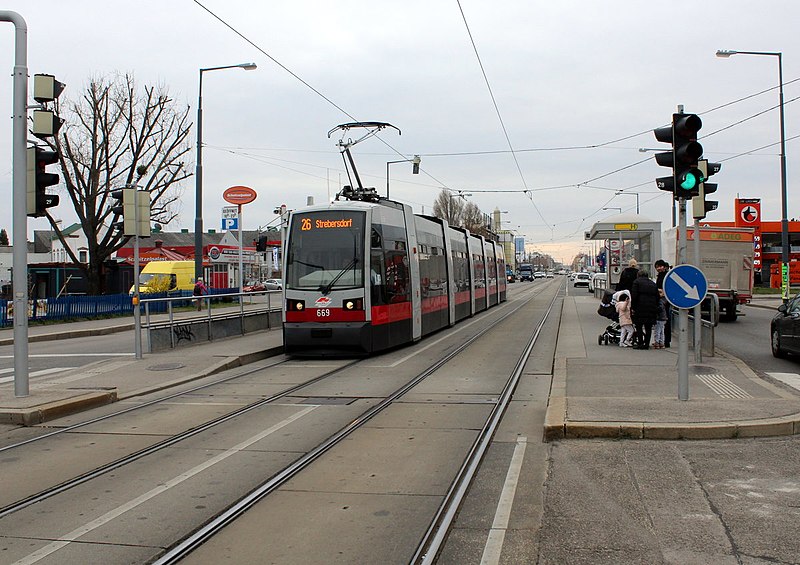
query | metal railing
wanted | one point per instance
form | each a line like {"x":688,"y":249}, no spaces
{"x":248,"y":305}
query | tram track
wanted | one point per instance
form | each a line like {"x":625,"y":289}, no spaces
{"x":444,"y":516}
{"x":282,"y":476}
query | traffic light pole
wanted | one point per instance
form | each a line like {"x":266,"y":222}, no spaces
{"x":137,"y":313}
{"x":697,"y":313}
{"x":683,"y":313}
{"x":19,"y":271}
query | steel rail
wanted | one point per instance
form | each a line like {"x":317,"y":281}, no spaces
{"x":137,"y":407}
{"x":432,"y":541}
{"x":163,"y":444}
{"x":194,"y":540}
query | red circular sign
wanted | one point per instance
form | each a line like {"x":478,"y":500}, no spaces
{"x":239,"y":195}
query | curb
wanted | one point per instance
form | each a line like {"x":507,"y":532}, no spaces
{"x":222,"y":365}
{"x":557,"y":426}
{"x":69,"y":334}
{"x":57,"y":409}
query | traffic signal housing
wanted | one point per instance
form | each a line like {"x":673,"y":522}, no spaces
{"x":701,"y":206}
{"x":38,"y":201}
{"x":683,"y":159}
{"x":131,"y":211}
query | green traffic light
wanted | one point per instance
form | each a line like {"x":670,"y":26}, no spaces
{"x":689,"y":181}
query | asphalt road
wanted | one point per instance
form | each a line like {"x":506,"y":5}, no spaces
{"x":748,"y":339}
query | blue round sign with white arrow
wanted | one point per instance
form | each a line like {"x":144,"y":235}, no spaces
{"x":685,"y":286}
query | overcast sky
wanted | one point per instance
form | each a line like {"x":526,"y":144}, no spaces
{"x":567,"y":78}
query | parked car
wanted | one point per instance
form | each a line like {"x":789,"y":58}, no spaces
{"x":784,"y":328}
{"x":273,"y":284}
{"x":598,"y":280}
{"x":253,"y":286}
{"x":581,"y":279}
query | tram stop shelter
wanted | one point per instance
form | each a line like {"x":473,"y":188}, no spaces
{"x":627,"y":236}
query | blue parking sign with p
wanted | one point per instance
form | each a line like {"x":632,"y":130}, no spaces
{"x":230,"y":223}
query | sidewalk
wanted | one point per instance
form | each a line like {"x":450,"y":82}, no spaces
{"x":603,"y":391}
{"x":55,"y":395}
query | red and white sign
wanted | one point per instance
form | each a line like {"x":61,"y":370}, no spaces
{"x":239,"y":195}
{"x":748,"y":215}
{"x":323,"y":302}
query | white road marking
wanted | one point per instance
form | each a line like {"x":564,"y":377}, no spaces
{"x":494,"y":544}
{"x":723,"y":387}
{"x":163,"y":487}
{"x":791,"y":379}
{"x":41,"y":373}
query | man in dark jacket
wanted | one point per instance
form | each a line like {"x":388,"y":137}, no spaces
{"x":661,"y":268}
{"x":627,"y":276}
{"x":644,"y":307}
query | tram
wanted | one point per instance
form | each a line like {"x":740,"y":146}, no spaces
{"x":366,"y":274}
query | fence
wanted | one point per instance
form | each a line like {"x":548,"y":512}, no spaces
{"x":73,"y":307}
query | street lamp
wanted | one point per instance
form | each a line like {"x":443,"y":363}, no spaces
{"x":613,"y":208}
{"x":198,"y":174}
{"x":416,"y":161}
{"x":636,"y":194}
{"x":725,"y":53}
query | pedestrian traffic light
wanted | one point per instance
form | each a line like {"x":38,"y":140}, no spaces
{"x":701,"y":206}
{"x":125,"y":209}
{"x":39,"y":179}
{"x":686,"y":176}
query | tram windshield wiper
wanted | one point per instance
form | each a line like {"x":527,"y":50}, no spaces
{"x":326,"y":288}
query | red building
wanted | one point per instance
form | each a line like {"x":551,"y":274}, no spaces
{"x":767,"y":242}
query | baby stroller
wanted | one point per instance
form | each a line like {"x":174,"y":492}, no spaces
{"x":607,"y":310}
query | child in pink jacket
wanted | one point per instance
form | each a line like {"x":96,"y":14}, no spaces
{"x":623,"y":307}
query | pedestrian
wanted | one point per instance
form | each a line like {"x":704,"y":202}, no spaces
{"x":200,"y":289}
{"x":661,"y":268}
{"x":628,"y":275}
{"x":661,"y":321}
{"x":623,"y":307}
{"x":644,"y":308}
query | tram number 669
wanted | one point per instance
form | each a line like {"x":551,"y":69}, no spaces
{"x":323,"y":312}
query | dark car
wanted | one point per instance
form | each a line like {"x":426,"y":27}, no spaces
{"x":785,"y":328}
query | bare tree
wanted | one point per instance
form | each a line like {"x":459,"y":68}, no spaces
{"x":475,"y":220}
{"x":449,"y":207}
{"x":112,"y":130}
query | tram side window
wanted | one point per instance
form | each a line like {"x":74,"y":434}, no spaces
{"x":397,"y":285}
{"x":377,"y":269}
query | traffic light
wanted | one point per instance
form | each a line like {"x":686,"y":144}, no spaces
{"x":686,"y":176}
{"x":128,"y":200}
{"x":45,"y":122}
{"x":701,"y":206}
{"x":39,"y":179}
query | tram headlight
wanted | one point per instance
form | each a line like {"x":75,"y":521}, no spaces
{"x":295,"y":305}
{"x":353,"y":304}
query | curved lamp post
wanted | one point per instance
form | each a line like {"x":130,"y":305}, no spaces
{"x":785,"y":251}
{"x":198,"y":175}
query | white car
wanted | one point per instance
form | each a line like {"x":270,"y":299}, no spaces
{"x":273,"y":284}
{"x":538,"y":275}
{"x":581,"y":279}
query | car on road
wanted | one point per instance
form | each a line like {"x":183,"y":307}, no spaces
{"x":253,"y":286}
{"x":273,"y":284}
{"x":784,"y":329}
{"x":581,"y":279}
{"x":538,"y":275}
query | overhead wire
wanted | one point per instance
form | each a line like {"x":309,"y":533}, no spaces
{"x":497,"y":110}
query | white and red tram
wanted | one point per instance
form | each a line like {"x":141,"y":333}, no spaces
{"x":363,"y":276}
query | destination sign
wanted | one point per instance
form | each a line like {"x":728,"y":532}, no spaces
{"x":308,"y":224}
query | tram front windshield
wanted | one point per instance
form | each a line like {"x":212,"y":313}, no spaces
{"x":325,"y":251}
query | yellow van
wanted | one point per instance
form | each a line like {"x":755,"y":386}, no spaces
{"x":166,"y":276}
